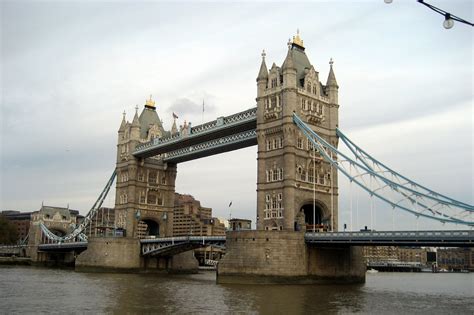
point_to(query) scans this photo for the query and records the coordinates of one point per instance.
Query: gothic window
(269, 145)
(123, 199)
(274, 82)
(275, 175)
(299, 143)
(163, 180)
(142, 197)
(303, 103)
(303, 175)
(274, 203)
(140, 176)
(152, 177)
(308, 87)
(299, 171)
(273, 101)
(275, 143)
(280, 174)
(160, 198)
(124, 177)
(311, 175)
(314, 89)
(279, 143)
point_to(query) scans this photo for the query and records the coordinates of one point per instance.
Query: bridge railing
(430, 234)
(217, 124)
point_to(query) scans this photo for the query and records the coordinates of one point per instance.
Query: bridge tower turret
(292, 179)
(145, 188)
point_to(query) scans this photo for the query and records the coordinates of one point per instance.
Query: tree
(8, 232)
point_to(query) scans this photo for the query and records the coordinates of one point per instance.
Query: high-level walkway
(223, 134)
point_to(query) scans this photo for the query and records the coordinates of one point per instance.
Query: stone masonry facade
(145, 188)
(289, 170)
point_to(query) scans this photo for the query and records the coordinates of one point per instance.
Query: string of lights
(448, 17)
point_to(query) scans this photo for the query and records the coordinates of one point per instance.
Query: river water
(41, 290)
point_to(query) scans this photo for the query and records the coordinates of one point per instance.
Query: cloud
(185, 107)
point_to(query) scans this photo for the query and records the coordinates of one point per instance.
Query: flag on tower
(175, 116)
(203, 106)
(230, 204)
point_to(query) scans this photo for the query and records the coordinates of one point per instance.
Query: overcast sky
(69, 70)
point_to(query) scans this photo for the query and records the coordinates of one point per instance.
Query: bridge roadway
(221, 135)
(165, 246)
(455, 238)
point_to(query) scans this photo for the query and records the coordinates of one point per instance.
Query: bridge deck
(221, 128)
(458, 238)
(62, 246)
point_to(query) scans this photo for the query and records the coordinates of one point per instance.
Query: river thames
(41, 290)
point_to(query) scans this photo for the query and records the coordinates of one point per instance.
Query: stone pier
(122, 254)
(284, 257)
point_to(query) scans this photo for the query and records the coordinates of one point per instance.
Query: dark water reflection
(35, 290)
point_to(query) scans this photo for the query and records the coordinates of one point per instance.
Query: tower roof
(331, 77)
(298, 57)
(135, 122)
(149, 117)
(124, 123)
(288, 63)
(263, 73)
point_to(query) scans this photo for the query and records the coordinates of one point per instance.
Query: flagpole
(202, 116)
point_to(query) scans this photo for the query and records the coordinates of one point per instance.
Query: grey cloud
(185, 106)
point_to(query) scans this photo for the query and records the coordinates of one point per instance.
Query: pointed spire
(289, 63)
(122, 125)
(174, 128)
(136, 122)
(263, 73)
(331, 77)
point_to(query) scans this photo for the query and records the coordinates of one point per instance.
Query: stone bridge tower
(292, 180)
(145, 188)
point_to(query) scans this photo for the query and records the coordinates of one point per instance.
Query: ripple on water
(40, 290)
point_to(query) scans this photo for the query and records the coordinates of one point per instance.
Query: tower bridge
(295, 126)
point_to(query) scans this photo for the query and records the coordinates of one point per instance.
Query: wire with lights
(448, 17)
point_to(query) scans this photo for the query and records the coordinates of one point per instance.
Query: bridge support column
(284, 257)
(110, 254)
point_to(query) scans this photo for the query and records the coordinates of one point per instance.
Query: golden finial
(263, 54)
(150, 102)
(331, 62)
(297, 39)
